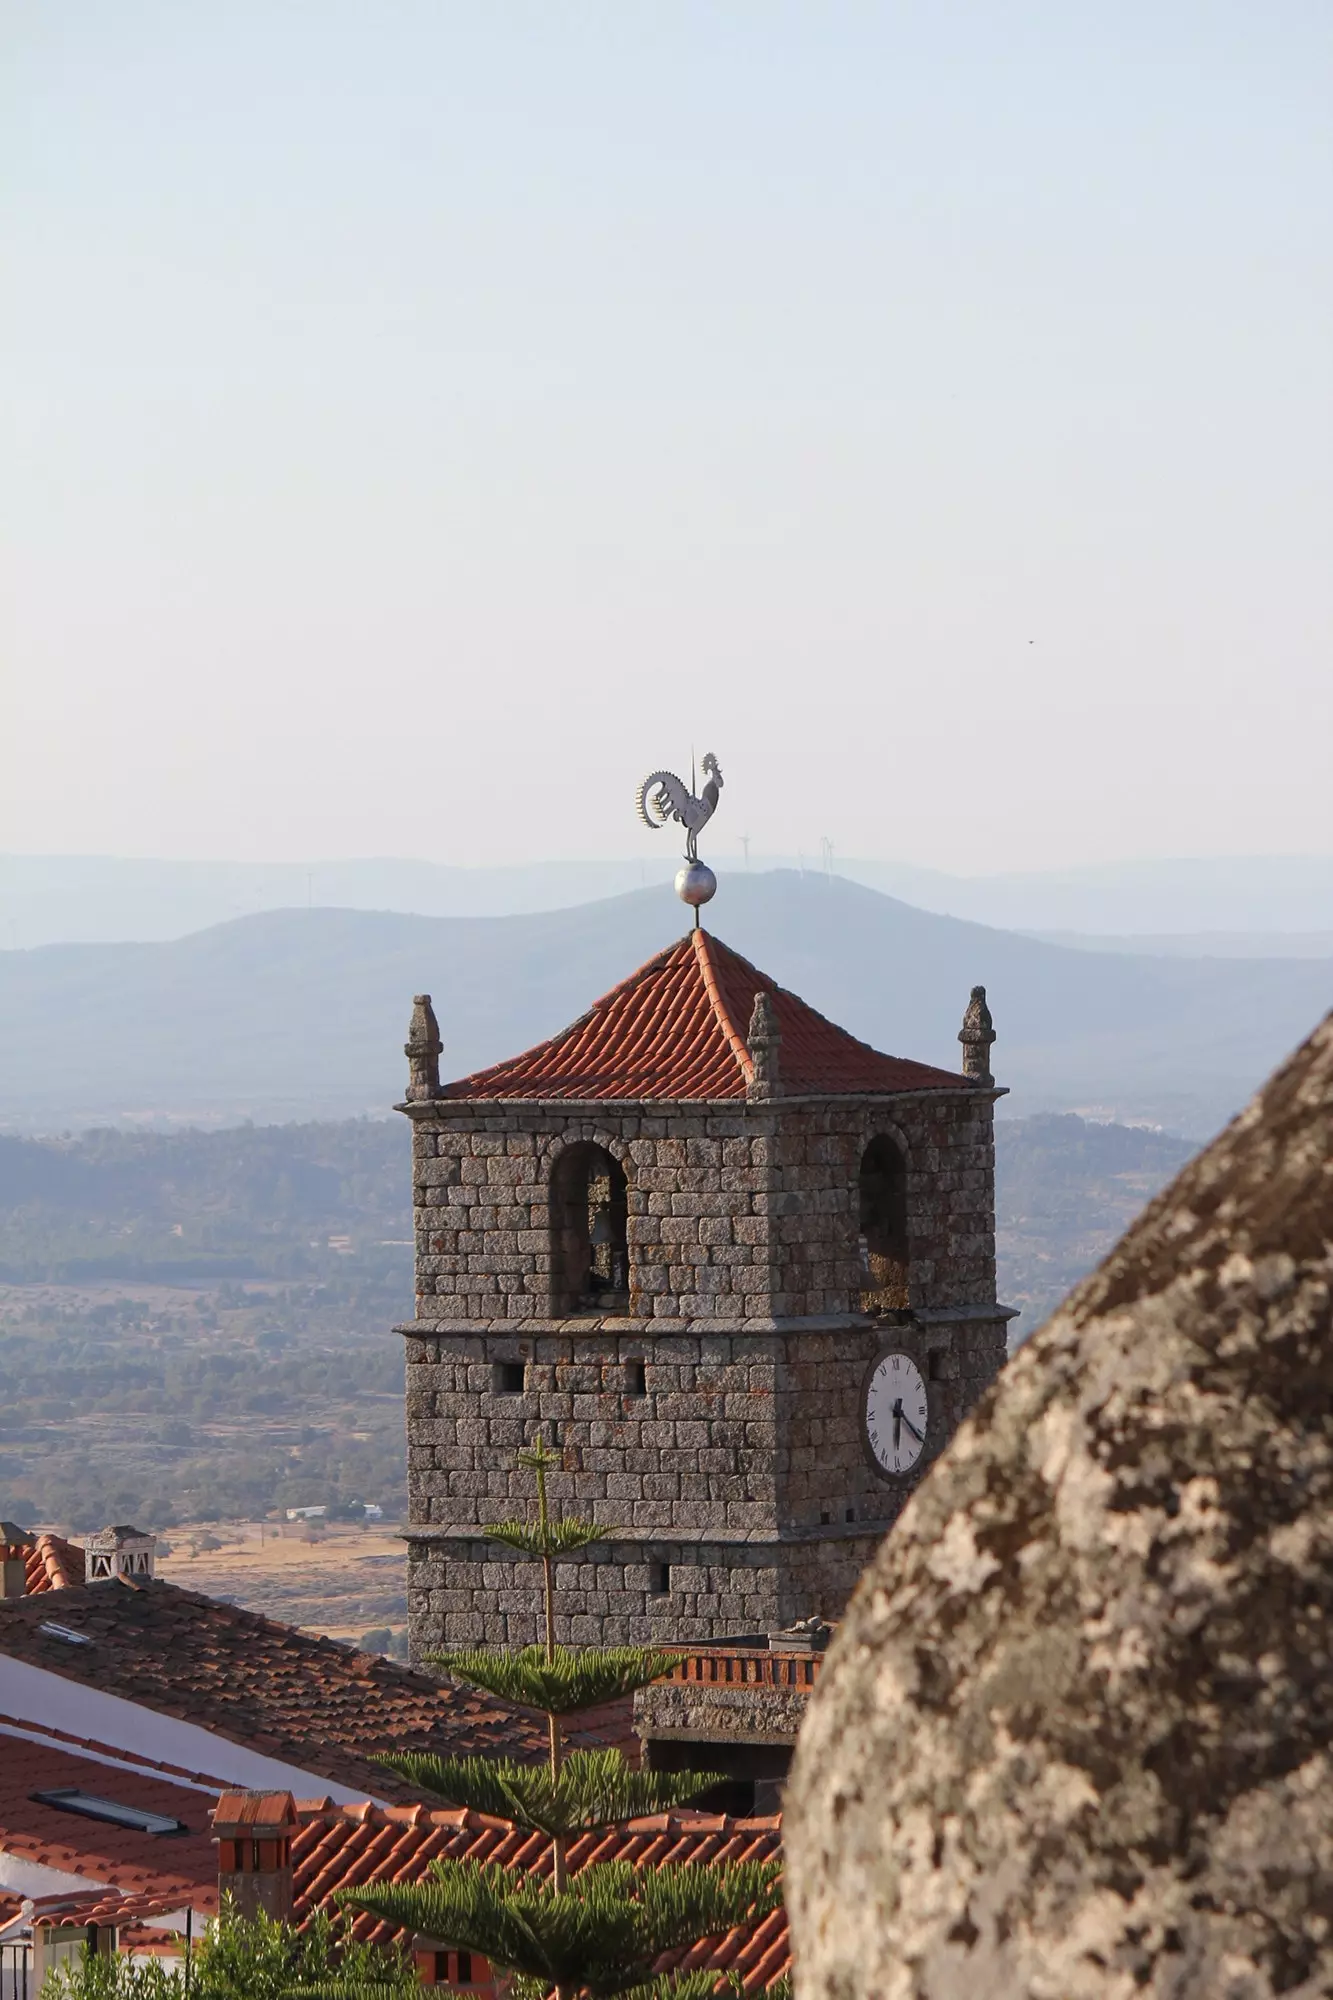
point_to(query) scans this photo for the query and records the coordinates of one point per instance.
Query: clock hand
(912, 1427)
(897, 1421)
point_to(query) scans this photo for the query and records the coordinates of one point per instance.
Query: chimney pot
(254, 1831)
(120, 1552)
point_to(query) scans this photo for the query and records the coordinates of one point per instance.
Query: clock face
(897, 1413)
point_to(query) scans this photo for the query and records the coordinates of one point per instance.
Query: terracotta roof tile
(676, 1030)
(180, 1867)
(353, 1847)
(309, 1701)
(107, 1906)
(255, 1811)
(49, 1562)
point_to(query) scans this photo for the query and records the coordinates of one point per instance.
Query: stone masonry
(714, 1421)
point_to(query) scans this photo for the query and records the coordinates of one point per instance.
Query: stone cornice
(665, 1537)
(664, 1328)
(719, 1107)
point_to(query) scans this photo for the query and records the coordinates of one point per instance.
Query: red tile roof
(180, 1867)
(48, 1562)
(135, 1875)
(293, 1695)
(107, 1906)
(355, 1846)
(676, 1029)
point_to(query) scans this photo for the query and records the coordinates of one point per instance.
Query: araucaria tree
(599, 1932)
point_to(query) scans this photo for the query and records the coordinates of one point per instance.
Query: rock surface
(1075, 1735)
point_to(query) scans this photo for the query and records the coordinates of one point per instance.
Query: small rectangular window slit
(507, 1378)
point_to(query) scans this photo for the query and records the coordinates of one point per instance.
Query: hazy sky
(425, 418)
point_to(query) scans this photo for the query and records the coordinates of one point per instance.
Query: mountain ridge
(47, 899)
(302, 1013)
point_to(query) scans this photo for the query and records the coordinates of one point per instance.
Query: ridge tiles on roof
(49, 1563)
(676, 1029)
(355, 1846)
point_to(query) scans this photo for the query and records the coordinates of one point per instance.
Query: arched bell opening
(883, 1225)
(589, 1232)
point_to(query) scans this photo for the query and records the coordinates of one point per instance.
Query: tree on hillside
(599, 1932)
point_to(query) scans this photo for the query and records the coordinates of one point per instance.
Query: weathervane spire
(663, 796)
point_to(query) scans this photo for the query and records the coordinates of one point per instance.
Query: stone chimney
(976, 1035)
(254, 1831)
(764, 1042)
(120, 1552)
(422, 1049)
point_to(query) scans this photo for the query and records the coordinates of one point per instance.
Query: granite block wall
(716, 1428)
(735, 1212)
(736, 1489)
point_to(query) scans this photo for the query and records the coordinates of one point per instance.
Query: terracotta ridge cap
(703, 955)
(51, 1550)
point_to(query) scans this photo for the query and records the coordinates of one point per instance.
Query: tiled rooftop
(137, 1875)
(180, 1867)
(49, 1563)
(676, 1030)
(307, 1700)
(354, 1846)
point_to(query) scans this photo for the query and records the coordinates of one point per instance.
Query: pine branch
(594, 1788)
(344, 1989)
(603, 1933)
(553, 1538)
(536, 1456)
(680, 1905)
(575, 1679)
(701, 1984)
(705, 1983)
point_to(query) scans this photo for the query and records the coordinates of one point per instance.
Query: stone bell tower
(681, 1237)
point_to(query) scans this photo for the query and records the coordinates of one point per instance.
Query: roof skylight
(71, 1800)
(65, 1632)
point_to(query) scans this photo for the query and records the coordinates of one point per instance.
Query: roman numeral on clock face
(896, 1415)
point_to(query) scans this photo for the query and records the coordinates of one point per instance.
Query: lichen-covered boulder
(1075, 1735)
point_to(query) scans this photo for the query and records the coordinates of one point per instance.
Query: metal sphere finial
(696, 883)
(662, 797)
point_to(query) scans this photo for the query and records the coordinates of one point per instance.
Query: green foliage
(545, 1537)
(701, 1985)
(109, 1976)
(602, 1934)
(571, 1680)
(247, 1958)
(258, 1958)
(555, 1538)
(594, 1788)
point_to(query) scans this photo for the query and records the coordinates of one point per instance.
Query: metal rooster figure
(663, 797)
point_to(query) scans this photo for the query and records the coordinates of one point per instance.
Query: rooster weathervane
(663, 797)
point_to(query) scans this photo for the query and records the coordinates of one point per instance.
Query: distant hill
(195, 1325)
(302, 1013)
(70, 898)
